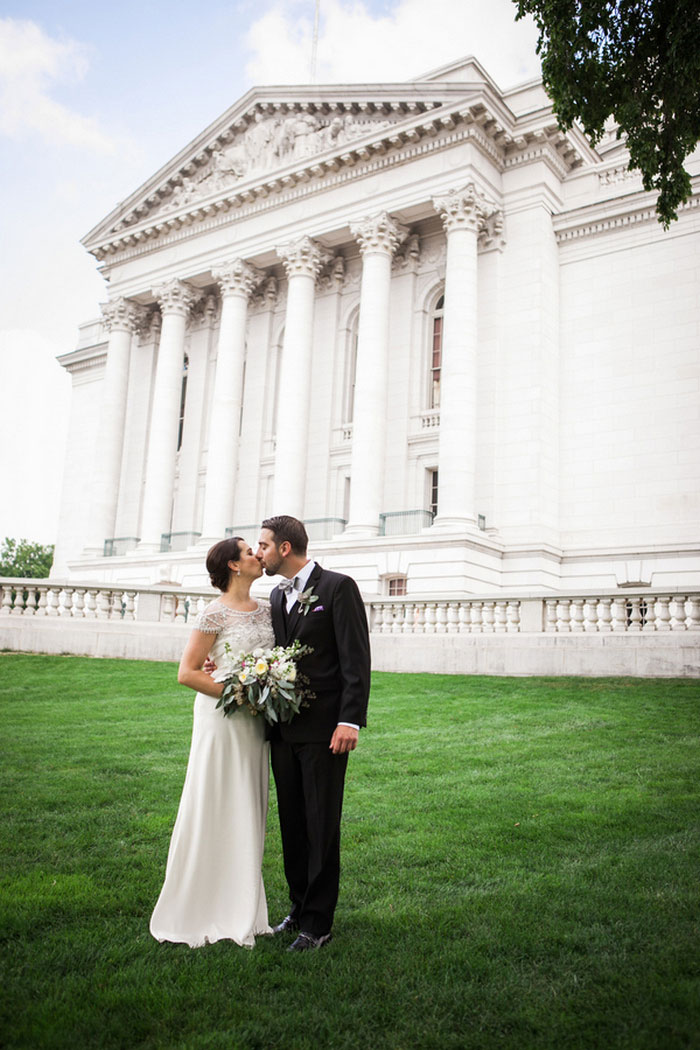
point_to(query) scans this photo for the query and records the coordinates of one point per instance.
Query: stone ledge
(658, 655)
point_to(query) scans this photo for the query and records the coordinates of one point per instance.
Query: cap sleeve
(210, 620)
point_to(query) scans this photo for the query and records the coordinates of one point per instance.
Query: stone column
(378, 238)
(121, 318)
(175, 298)
(464, 214)
(303, 259)
(236, 280)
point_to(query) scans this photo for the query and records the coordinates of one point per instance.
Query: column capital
(379, 233)
(303, 256)
(237, 277)
(468, 209)
(175, 297)
(121, 314)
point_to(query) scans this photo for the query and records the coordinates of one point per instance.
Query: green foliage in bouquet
(266, 682)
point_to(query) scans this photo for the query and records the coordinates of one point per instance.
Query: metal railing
(177, 541)
(404, 522)
(120, 545)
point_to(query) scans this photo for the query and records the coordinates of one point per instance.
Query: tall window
(183, 399)
(433, 492)
(274, 362)
(436, 353)
(350, 373)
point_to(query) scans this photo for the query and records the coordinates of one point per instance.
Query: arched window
(183, 399)
(436, 329)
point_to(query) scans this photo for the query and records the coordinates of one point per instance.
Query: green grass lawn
(520, 869)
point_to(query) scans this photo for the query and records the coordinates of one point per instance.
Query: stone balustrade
(626, 613)
(90, 601)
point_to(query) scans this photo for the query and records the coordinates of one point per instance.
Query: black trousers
(309, 779)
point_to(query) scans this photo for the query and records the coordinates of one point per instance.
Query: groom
(323, 610)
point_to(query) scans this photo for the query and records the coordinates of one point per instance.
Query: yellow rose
(243, 677)
(260, 667)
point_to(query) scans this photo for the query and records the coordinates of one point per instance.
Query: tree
(22, 558)
(637, 61)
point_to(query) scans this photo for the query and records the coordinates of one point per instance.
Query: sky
(95, 97)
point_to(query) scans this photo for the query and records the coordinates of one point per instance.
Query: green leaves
(21, 558)
(637, 61)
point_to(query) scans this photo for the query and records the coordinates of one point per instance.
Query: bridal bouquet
(265, 681)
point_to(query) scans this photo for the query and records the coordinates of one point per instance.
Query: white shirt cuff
(350, 724)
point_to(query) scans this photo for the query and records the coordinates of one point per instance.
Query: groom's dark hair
(284, 527)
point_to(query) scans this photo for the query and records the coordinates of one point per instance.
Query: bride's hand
(209, 666)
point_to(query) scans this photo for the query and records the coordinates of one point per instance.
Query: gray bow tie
(288, 585)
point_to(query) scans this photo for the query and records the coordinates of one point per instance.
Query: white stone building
(452, 338)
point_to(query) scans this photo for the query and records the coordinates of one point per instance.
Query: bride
(213, 887)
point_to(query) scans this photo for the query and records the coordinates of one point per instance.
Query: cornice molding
(614, 214)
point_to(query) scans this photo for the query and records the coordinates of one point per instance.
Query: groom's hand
(209, 666)
(343, 740)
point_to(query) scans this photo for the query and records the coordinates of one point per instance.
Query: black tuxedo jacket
(335, 627)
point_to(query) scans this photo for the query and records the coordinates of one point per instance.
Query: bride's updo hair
(218, 558)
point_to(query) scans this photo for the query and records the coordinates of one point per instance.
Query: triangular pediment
(276, 137)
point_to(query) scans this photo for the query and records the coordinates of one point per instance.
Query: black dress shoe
(288, 925)
(306, 941)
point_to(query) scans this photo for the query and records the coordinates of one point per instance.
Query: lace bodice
(240, 630)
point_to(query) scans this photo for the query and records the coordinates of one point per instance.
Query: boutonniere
(306, 600)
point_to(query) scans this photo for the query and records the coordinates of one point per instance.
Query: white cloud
(31, 64)
(412, 38)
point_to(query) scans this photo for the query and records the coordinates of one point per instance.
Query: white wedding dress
(213, 887)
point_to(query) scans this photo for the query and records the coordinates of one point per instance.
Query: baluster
(6, 607)
(30, 604)
(693, 606)
(441, 618)
(663, 613)
(452, 618)
(487, 617)
(678, 612)
(52, 596)
(41, 605)
(619, 615)
(372, 618)
(79, 603)
(576, 615)
(564, 616)
(475, 611)
(464, 613)
(634, 615)
(419, 618)
(130, 610)
(167, 608)
(513, 617)
(409, 616)
(550, 609)
(66, 607)
(91, 606)
(590, 615)
(117, 608)
(399, 613)
(429, 618)
(18, 608)
(604, 615)
(646, 608)
(103, 604)
(180, 616)
(499, 619)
